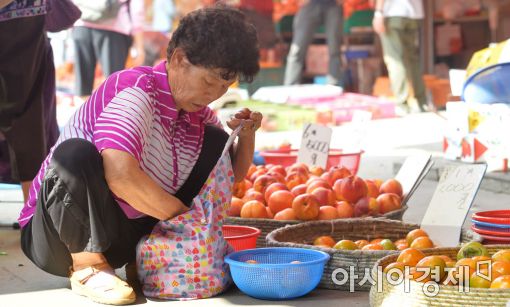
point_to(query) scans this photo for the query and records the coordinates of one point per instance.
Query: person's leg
(392, 46)
(411, 56)
(78, 224)
(24, 63)
(77, 213)
(49, 117)
(333, 25)
(85, 61)
(50, 99)
(305, 22)
(25, 188)
(112, 49)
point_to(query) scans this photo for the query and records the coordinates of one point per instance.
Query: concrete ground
(386, 145)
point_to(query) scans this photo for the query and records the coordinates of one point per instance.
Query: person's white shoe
(101, 285)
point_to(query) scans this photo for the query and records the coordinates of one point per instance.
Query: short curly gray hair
(218, 37)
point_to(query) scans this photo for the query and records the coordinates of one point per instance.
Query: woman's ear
(179, 57)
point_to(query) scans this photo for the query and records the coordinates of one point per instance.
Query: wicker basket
(390, 295)
(303, 234)
(268, 225)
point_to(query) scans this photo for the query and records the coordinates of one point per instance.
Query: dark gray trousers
(76, 211)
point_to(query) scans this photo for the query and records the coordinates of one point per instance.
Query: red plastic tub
(336, 158)
(241, 237)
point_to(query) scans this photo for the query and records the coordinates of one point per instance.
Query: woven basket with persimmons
(359, 261)
(386, 293)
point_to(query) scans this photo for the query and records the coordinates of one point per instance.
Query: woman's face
(194, 87)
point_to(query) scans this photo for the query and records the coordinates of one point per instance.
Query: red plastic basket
(336, 158)
(241, 237)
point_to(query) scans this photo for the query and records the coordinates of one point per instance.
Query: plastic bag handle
(231, 139)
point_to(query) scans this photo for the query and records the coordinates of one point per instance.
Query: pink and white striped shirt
(133, 111)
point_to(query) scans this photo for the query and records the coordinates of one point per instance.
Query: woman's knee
(76, 154)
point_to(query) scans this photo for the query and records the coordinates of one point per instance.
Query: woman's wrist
(248, 135)
(180, 209)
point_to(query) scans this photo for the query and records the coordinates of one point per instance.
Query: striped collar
(164, 95)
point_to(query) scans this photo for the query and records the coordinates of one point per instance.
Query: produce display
(473, 267)
(416, 238)
(299, 192)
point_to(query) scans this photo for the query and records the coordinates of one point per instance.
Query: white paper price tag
(314, 149)
(451, 201)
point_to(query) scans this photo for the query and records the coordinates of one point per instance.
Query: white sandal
(101, 285)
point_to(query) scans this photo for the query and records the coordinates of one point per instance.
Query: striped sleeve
(210, 118)
(125, 123)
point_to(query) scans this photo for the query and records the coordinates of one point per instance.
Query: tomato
(324, 240)
(345, 244)
(502, 267)
(482, 262)
(410, 256)
(446, 258)
(395, 268)
(361, 243)
(502, 255)
(502, 282)
(387, 244)
(478, 280)
(243, 114)
(422, 243)
(468, 264)
(373, 247)
(416, 233)
(434, 266)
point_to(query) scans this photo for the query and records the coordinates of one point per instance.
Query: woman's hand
(244, 149)
(250, 121)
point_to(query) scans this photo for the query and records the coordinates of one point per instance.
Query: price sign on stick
(451, 201)
(314, 149)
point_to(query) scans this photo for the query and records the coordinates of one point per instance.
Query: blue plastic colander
(274, 276)
(488, 85)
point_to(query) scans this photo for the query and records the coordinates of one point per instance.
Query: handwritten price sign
(314, 149)
(451, 202)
